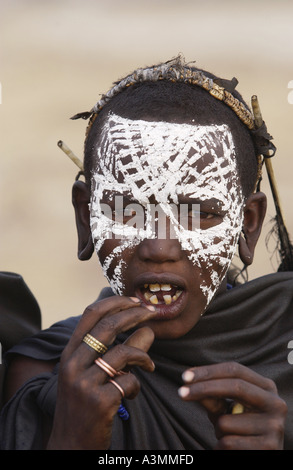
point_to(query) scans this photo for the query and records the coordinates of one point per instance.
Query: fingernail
(188, 376)
(151, 308)
(135, 299)
(183, 392)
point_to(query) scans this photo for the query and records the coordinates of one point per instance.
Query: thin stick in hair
(70, 154)
(286, 249)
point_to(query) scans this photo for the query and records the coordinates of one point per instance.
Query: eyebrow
(127, 197)
(212, 202)
(209, 204)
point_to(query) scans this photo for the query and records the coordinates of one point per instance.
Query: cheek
(211, 252)
(113, 260)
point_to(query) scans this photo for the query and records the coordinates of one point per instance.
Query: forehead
(162, 156)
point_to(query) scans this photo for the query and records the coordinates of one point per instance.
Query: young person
(194, 362)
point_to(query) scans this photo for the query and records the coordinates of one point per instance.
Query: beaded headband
(176, 70)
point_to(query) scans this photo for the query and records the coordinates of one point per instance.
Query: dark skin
(84, 387)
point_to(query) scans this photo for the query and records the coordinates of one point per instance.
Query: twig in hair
(268, 163)
(286, 249)
(70, 154)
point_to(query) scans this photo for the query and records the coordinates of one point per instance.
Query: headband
(176, 70)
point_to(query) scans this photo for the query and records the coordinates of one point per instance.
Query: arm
(259, 427)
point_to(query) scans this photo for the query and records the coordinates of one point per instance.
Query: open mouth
(165, 292)
(158, 294)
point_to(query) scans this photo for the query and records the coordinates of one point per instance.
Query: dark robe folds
(251, 324)
(20, 315)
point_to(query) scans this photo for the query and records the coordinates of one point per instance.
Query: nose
(159, 250)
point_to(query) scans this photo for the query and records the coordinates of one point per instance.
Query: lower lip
(164, 311)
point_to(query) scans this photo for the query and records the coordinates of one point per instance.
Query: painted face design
(139, 159)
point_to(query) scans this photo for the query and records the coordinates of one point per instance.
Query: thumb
(142, 338)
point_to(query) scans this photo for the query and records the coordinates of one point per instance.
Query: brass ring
(95, 344)
(237, 409)
(118, 387)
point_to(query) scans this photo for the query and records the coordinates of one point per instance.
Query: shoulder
(20, 370)
(46, 345)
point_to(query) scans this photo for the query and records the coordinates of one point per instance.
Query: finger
(93, 313)
(119, 358)
(235, 442)
(243, 392)
(228, 370)
(128, 383)
(247, 424)
(142, 338)
(106, 330)
(214, 406)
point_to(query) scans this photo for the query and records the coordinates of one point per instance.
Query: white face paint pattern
(162, 159)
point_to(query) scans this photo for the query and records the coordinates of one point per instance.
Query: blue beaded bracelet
(123, 413)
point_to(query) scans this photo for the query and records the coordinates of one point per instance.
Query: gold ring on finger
(237, 409)
(95, 344)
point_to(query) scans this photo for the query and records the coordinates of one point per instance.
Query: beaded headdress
(176, 70)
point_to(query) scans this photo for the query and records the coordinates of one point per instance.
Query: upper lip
(159, 278)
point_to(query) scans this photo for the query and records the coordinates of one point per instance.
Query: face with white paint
(171, 165)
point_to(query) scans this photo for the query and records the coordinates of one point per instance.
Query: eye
(119, 209)
(128, 213)
(203, 219)
(133, 215)
(202, 215)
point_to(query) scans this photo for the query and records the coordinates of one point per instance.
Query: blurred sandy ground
(58, 56)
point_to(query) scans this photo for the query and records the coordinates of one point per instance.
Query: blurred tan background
(58, 56)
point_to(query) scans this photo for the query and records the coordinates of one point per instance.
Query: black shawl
(251, 324)
(20, 315)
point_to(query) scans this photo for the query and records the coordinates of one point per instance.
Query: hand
(259, 427)
(86, 401)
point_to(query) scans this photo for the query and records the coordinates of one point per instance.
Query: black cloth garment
(20, 314)
(251, 324)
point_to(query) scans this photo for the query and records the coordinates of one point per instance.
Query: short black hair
(165, 100)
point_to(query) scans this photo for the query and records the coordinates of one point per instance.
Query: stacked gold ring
(95, 344)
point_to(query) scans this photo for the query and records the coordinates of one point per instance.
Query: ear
(80, 201)
(254, 214)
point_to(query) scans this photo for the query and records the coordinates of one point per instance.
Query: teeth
(167, 299)
(157, 287)
(177, 295)
(154, 287)
(151, 297)
(166, 287)
(148, 295)
(154, 299)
